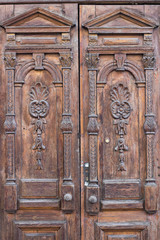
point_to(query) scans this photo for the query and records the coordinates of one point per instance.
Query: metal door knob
(92, 199)
(67, 197)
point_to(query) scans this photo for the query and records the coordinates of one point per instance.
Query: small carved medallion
(120, 110)
(38, 109)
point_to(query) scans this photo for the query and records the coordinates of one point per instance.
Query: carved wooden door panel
(41, 187)
(118, 122)
(59, 181)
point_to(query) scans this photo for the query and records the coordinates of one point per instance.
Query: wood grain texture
(117, 203)
(35, 99)
(118, 66)
(82, 1)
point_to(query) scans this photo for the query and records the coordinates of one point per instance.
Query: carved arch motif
(39, 106)
(28, 66)
(128, 65)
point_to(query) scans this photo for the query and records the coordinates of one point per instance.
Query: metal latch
(86, 174)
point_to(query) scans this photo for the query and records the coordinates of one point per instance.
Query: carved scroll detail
(38, 109)
(120, 110)
(148, 61)
(66, 59)
(10, 60)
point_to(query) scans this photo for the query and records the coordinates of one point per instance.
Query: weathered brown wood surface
(82, 1)
(40, 161)
(79, 120)
(122, 151)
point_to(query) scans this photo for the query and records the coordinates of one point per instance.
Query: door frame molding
(109, 2)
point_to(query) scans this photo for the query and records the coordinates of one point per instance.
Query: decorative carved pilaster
(92, 125)
(92, 190)
(150, 129)
(66, 127)
(10, 190)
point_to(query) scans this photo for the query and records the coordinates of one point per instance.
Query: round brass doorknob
(67, 197)
(92, 199)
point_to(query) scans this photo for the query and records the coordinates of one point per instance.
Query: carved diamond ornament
(38, 109)
(120, 110)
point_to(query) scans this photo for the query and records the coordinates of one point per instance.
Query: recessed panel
(39, 126)
(119, 129)
(122, 237)
(40, 230)
(39, 188)
(40, 236)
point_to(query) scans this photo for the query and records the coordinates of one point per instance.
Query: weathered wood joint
(92, 190)
(10, 188)
(67, 189)
(150, 130)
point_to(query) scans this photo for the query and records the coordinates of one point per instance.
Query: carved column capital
(10, 60)
(92, 60)
(148, 60)
(66, 59)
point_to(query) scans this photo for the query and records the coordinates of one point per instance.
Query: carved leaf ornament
(120, 110)
(39, 108)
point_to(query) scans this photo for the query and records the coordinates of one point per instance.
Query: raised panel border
(116, 189)
(39, 188)
(58, 226)
(82, 1)
(102, 227)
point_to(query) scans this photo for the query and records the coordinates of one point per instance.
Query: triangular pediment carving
(120, 18)
(38, 17)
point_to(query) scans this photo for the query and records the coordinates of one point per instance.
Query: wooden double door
(79, 122)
